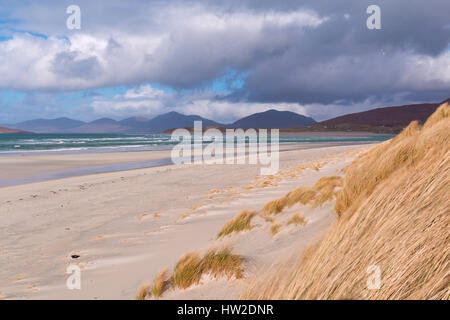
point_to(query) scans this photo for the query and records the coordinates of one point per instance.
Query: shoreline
(19, 169)
(58, 149)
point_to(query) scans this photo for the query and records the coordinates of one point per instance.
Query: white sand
(108, 220)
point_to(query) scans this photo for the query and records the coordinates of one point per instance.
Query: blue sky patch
(10, 96)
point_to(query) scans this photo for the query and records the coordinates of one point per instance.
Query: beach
(123, 227)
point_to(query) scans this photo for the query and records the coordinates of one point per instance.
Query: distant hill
(103, 125)
(177, 120)
(137, 124)
(273, 119)
(7, 130)
(48, 125)
(104, 121)
(387, 116)
(389, 120)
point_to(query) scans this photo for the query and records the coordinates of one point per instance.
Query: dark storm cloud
(340, 60)
(70, 64)
(312, 51)
(343, 60)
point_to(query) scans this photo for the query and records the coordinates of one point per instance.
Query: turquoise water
(20, 143)
(78, 142)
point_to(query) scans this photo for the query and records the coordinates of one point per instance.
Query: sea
(33, 143)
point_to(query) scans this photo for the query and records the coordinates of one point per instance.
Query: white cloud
(183, 47)
(147, 101)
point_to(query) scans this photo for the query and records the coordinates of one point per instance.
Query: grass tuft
(275, 228)
(443, 112)
(143, 292)
(325, 189)
(301, 194)
(242, 221)
(160, 284)
(188, 270)
(322, 191)
(275, 206)
(297, 219)
(219, 262)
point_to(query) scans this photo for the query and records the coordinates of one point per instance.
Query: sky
(219, 59)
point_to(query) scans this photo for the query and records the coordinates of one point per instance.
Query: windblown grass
(297, 219)
(222, 262)
(160, 284)
(301, 194)
(325, 189)
(242, 221)
(394, 206)
(406, 149)
(275, 228)
(190, 268)
(143, 292)
(216, 262)
(274, 206)
(322, 191)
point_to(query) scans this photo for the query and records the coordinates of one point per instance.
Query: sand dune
(393, 217)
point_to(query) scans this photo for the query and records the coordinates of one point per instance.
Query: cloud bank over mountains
(313, 57)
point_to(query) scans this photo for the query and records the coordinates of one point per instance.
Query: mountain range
(382, 120)
(160, 123)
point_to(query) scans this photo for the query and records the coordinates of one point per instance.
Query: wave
(10, 143)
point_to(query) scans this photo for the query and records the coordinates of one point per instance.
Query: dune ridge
(393, 211)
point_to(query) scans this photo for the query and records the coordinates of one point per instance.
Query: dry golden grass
(301, 194)
(275, 228)
(219, 262)
(216, 262)
(143, 292)
(242, 221)
(325, 189)
(190, 268)
(370, 169)
(322, 191)
(297, 219)
(160, 284)
(442, 112)
(274, 206)
(394, 207)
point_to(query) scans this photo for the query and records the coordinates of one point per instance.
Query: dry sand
(127, 225)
